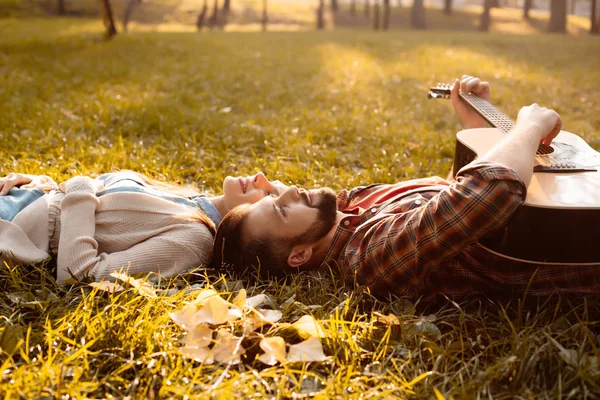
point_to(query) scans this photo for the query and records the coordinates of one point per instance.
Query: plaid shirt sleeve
(395, 250)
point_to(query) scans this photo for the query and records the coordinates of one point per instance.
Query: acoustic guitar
(560, 218)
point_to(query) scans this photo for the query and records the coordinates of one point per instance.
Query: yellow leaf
(199, 336)
(308, 350)
(307, 327)
(271, 316)
(228, 347)
(214, 309)
(274, 348)
(186, 317)
(143, 288)
(202, 354)
(107, 286)
(240, 300)
(257, 300)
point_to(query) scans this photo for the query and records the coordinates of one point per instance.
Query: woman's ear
(299, 255)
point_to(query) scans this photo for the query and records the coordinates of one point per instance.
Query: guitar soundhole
(545, 149)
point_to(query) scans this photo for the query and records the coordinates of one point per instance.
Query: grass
(339, 108)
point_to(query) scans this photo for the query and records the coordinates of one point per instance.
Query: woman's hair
(185, 191)
(267, 256)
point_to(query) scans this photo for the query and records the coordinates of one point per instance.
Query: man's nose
(291, 194)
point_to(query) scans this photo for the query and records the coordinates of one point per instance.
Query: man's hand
(81, 183)
(547, 123)
(41, 182)
(469, 117)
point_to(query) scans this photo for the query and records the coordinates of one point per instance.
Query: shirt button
(418, 202)
(346, 223)
(373, 209)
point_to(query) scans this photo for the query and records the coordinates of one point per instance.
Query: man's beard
(326, 204)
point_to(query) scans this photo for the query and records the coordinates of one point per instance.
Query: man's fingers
(471, 85)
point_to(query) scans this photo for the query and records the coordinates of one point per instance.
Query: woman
(120, 220)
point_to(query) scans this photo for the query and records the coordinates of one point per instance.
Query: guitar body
(560, 219)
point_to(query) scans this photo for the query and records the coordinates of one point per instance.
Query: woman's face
(249, 189)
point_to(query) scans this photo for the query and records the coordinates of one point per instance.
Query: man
(417, 238)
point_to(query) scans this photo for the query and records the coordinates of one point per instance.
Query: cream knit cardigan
(135, 232)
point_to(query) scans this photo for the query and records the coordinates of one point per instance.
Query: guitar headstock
(440, 91)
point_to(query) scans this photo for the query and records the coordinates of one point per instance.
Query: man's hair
(268, 256)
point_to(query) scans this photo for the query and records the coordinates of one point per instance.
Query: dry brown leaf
(201, 354)
(228, 347)
(144, 288)
(198, 336)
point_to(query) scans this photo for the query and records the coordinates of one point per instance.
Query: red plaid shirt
(419, 238)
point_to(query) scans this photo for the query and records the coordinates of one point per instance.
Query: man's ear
(300, 255)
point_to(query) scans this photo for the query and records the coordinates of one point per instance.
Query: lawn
(336, 108)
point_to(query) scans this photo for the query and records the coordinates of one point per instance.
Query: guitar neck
(490, 113)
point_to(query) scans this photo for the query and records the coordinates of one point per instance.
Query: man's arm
(535, 124)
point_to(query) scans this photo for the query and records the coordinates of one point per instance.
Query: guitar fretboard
(490, 113)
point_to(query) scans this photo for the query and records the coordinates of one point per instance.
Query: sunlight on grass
(337, 108)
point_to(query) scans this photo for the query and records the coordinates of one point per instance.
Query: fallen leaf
(308, 350)
(307, 326)
(257, 300)
(274, 348)
(271, 316)
(107, 286)
(10, 335)
(228, 347)
(240, 300)
(202, 354)
(215, 309)
(198, 336)
(144, 288)
(186, 317)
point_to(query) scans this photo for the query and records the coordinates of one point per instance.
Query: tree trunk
(595, 28)
(386, 14)
(558, 16)
(376, 15)
(573, 6)
(448, 7)
(367, 8)
(265, 16)
(320, 17)
(353, 7)
(527, 6)
(485, 16)
(109, 21)
(131, 4)
(334, 5)
(213, 20)
(494, 3)
(417, 15)
(202, 16)
(226, 7)
(60, 7)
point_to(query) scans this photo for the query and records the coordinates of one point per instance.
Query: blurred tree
(417, 15)
(60, 7)
(573, 6)
(353, 7)
(131, 4)
(595, 27)
(376, 15)
(213, 20)
(485, 16)
(107, 17)
(226, 6)
(494, 3)
(265, 16)
(527, 6)
(386, 14)
(202, 16)
(367, 8)
(447, 7)
(334, 5)
(558, 16)
(320, 17)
